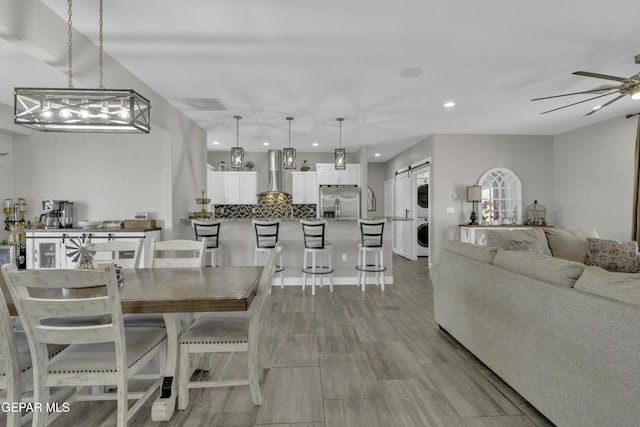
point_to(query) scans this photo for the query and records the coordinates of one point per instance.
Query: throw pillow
(569, 244)
(613, 255)
(499, 238)
(526, 245)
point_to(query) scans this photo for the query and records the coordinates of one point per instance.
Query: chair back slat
(266, 233)
(209, 230)
(125, 254)
(192, 251)
(85, 334)
(47, 307)
(371, 232)
(313, 232)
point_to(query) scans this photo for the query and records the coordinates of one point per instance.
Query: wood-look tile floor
(351, 359)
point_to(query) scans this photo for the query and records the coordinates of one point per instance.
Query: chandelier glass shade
(237, 153)
(340, 153)
(289, 154)
(82, 110)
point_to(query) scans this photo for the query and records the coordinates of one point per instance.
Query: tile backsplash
(269, 206)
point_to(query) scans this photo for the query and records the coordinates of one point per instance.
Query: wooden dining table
(173, 291)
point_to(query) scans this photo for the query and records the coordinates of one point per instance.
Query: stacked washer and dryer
(422, 213)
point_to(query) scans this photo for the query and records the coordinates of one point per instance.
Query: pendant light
(237, 153)
(341, 154)
(82, 110)
(289, 154)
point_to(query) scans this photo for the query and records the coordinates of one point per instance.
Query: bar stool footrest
(317, 270)
(370, 268)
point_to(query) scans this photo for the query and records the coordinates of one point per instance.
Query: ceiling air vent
(205, 104)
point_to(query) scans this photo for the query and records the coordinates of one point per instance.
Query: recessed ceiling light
(377, 154)
(215, 143)
(315, 144)
(411, 72)
(265, 143)
(597, 107)
(449, 104)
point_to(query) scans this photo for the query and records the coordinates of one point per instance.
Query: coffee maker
(51, 216)
(57, 213)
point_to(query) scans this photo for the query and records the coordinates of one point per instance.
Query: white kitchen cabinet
(48, 249)
(233, 188)
(304, 188)
(327, 174)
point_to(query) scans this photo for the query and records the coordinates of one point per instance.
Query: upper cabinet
(327, 174)
(304, 188)
(233, 188)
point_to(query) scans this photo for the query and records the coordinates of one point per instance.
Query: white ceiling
(317, 60)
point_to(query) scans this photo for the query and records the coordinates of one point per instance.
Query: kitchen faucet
(288, 212)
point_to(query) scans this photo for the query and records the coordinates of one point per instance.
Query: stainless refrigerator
(339, 201)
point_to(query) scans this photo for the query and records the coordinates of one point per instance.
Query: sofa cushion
(569, 244)
(613, 255)
(623, 287)
(557, 271)
(479, 253)
(526, 245)
(500, 238)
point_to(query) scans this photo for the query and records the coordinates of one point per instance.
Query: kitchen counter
(389, 218)
(91, 230)
(238, 239)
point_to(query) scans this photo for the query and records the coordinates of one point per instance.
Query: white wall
(6, 175)
(594, 178)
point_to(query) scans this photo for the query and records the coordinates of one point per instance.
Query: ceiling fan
(627, 86)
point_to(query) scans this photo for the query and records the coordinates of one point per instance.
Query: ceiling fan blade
(602, 89)
(579, 102)
(604, 105)
(599, 76)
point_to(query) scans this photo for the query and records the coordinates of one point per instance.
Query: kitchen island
(237, 236)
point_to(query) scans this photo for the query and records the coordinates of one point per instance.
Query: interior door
(403, 245)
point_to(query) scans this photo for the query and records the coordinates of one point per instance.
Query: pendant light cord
(100, 74)
(70, 45)
(340, 120)
(237, 130)
(289, 119)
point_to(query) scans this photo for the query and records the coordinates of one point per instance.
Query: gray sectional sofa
(564, 335)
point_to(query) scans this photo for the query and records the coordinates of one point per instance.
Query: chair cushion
(217, 330)
(144, 321)
(624, 287)
(79, 358)
(500, 238)
(556, 271)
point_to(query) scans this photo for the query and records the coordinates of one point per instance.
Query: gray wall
(594, 178)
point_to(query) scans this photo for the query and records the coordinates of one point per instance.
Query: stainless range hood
(275, 173)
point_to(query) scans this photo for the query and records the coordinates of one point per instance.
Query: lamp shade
(474, 193)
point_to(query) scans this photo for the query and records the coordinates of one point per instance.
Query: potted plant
(249, 165)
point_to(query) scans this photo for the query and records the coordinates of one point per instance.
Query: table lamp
(474, 195)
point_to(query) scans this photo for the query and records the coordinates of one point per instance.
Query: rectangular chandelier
(82, 110)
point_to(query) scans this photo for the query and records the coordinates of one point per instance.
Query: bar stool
(371, 243)
(319, 249)
(210, 230)
(266, 239)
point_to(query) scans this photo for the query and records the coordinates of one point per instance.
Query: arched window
(501, 197)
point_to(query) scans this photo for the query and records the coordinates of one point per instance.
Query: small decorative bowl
(205, 201)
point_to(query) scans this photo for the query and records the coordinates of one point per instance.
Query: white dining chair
(125, 254)
(177, 253)
(216, 334)
(15, 363)
(99, 354)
